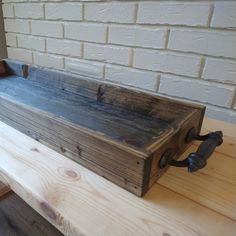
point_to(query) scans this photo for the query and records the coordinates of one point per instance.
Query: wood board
(118, 133)
(79, 202)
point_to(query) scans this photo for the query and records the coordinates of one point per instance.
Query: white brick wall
(173, 13)
(214, 43)
(110, 12)
(63, 11)
(33, 11)
(224, 15)
(186, 49)
(221, 70)
(137, 36)
(107, 53)
(85, 68)
(48, 60)
(135, 78)
(11, 39)
(8, 10)
(86, 32)
(64, 47)
(49, 29)
(167, 62)
(15, 25)
(20, 54)
(212, 93)
(31, 42)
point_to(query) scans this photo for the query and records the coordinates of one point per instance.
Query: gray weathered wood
(118, 133)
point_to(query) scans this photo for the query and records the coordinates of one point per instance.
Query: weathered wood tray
(126, 136)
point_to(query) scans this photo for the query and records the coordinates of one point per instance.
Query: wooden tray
(119, 133)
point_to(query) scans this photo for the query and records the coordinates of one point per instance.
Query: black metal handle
(196, 160)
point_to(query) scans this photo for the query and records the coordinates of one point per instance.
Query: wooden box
(118, 133)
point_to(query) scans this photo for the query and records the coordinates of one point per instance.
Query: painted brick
(198, 90)
(132, 77)
(224, 14)
(18, 26)
(48, 60)
(107, 53)
(216, 43)
(20, 54)
(137, 36)
(11, 39)
(221, 70)
(64, 47)
(50, 29)
(7, 10)
(221, 114)
(182, 13)
(63, 11)
(33, 11)
(110, 12)
(87, 32)
(31, 42)
(167, 62)
(85, 68)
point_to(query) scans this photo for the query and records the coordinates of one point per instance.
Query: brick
(20, 54)
(87, 32)
(33, 11)
(216, 43)
(137, 36)
(64, 11)
(11, 39)
(167, 62)
(50, 29)
(48, 60)
(221, 70)
(132, 77)
(224, 14)
(8, 10)
(18, 26)
(31, 42)
(220, 113)
(85, 68)
(64, 47)
(182, 13)
(110, 12)
(198, 90)
(107, 53)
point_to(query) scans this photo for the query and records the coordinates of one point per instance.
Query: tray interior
(120, 124)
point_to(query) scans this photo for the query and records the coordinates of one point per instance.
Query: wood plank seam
(197, 202)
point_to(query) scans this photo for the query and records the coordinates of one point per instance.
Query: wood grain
(119, 134)
(17, 218)
(78, 202)
(4, 189)
(215, 185)
(229, 130)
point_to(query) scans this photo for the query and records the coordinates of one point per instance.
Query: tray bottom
(116, 122)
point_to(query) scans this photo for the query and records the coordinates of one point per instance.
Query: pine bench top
(79, 202)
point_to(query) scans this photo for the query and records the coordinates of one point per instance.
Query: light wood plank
(229, 131)
(215, 185)
(78, 202)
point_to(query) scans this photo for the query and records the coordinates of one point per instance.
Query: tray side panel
(136, 101)
(176, 142)
(116, 164)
